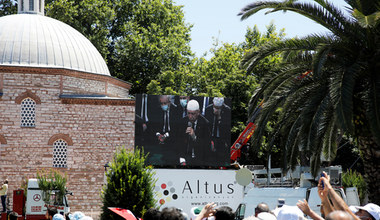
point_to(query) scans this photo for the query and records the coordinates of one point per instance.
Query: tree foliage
(7, 7)
(220, 75)
(352, 178)
(327, 86)
(50, 181)
(138, 39)
(130, 184)
(155, 39)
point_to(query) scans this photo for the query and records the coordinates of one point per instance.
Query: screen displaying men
(183, 130)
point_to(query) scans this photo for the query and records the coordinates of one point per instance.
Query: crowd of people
(52, 214)
(208, 212)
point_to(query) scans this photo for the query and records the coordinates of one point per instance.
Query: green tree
(354, 179)
(328, 85)
(92, 18)
(130, 184)
(138, 39)
(52, 181)
(152, 40)
(7, 7)
(221, 75)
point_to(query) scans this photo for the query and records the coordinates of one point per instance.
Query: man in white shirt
(3, 194)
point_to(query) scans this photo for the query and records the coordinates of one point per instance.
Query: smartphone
(322, 183)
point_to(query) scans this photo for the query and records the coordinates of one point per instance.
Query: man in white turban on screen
(195, 135)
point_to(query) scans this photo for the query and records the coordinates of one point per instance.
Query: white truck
(35, 207)
(271, 191)
(189, 188)
(290, 196)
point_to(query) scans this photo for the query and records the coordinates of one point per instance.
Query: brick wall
(95, 130)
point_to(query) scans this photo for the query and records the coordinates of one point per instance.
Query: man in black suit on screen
(195, 135)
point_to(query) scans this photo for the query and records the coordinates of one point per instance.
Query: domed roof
(32, 40)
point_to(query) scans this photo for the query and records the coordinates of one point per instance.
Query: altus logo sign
(166, 192)
(206, 188)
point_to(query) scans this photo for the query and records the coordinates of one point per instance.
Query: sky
(217, 19)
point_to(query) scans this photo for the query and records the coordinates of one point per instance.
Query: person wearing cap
(58, 217)
(3, 194)
(77, 215)
(163, 128)
(370, 211)
(219, 116)
(289, 213)
(195, 134)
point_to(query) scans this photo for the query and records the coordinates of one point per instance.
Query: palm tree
(327, 86)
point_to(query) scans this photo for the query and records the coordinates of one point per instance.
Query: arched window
(60, 142)
(28, 113)
(60, 153)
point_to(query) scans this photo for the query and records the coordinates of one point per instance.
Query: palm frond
(373, 107)
(286, 71)
(255, 7)
(342, 92)
(319, 115)
(327, 15)
(296, 44)
(290, 145)
(330, 140)
(325, 123)
(367, 21)
(320, 58)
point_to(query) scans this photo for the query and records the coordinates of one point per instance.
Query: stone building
(59, 106)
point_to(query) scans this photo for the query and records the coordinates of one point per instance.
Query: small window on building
(28, 113)
(31, 5)
(22, 5)
(60, 153)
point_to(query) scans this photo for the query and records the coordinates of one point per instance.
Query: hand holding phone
(322, 183)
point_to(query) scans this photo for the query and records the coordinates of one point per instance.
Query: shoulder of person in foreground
(339, 215)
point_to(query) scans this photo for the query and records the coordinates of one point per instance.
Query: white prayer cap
(218, 101)
(192, 105)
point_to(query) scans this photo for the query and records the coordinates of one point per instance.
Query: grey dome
(31, 40)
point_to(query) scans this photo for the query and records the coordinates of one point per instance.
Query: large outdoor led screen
(182, 130)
